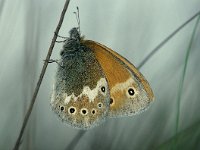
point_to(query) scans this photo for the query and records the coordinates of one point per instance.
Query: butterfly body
(93, 83)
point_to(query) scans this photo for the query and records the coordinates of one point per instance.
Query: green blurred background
(131, 28)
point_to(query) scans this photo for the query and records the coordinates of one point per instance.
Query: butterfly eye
(99, 105)
(103, 89)
(72, 110)
(131, 91)
(84, 111)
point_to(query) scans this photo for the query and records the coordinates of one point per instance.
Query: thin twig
(18, 142)
(166, 40)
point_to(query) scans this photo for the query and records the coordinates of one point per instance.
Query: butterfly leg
(65, 38)
(61, 41)
(52, 61)
(56, 61)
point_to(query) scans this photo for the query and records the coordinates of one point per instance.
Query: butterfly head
(75, 34)
(72, 43)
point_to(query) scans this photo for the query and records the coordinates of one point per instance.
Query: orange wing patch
(119, 73)
(131, 66)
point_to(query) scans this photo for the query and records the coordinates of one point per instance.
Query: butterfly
(93, 83)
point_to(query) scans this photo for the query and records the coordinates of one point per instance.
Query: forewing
(130, 92)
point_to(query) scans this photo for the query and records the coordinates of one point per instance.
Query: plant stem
(166, 40)
(180, 90)
(26, 118)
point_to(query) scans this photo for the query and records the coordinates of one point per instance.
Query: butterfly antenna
(78, 19)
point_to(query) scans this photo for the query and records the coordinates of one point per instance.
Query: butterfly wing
(130, 92)
(81, 95)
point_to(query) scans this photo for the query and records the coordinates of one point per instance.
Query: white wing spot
(124, 86)
(87, 91)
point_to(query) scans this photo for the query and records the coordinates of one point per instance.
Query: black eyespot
(84, 111)
(111, 101)
(131, 92)
(72, 110)
(103, 89)
(99, 105)
(93, 111)
(62, 108)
